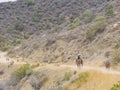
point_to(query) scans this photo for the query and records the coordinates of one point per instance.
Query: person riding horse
(107, 62)
(79, 61)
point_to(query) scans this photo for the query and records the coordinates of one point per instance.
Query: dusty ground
(100, 78)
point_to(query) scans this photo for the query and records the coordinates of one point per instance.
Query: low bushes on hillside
(74, 24)
(57, 27)
(18, 75)
(3, 44)
(19, 26)
(29, 2)
(87, 17)
(116, 56)
(96, 28)
(109, 11)
(16, 42)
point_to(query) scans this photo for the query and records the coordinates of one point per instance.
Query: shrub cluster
(96, 28)
(23, 71)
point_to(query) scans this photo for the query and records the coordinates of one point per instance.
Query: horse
(107, 64)
(79, 62)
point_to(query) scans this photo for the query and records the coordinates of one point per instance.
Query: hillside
(40, 40)
(21, 19)
(58, 30)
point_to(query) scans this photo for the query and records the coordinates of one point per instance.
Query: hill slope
(58, 30)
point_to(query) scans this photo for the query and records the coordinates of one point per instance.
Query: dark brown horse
(107, 64)
(79, 61)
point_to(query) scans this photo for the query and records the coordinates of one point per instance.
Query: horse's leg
(82, 63)
(109, 66)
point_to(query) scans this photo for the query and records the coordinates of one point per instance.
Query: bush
(109, 11)
(100, 18)
(116, 86)
(74, 23)
(57, 27)
(16, 42)
(67, 76)
(29, 2)
(83, 77)
(98, 27)
(116, 56)
(87, 17)
(23, 71)
(19, 26)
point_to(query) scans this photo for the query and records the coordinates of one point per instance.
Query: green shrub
(100, 18)
(57, 27)
(116, 56)
(29, 2)
(109, 11)
(67, 76)
(116, 86)
(23, 71)
(74, 72)
(19, 26)
(82, 78)
(98, 27)
(4, 46)
(87, 17)
(74, 24)
(16, 42)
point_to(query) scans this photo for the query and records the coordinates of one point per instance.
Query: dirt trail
(4, 60)
(100, 69)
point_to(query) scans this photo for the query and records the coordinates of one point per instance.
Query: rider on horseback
(79, 61)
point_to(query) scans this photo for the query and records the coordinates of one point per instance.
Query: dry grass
(100, 81)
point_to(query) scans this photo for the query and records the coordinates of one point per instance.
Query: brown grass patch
(100, 81)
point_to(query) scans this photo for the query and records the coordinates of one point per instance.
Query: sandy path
(4, 60)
